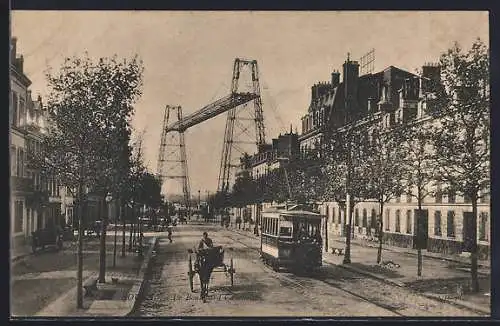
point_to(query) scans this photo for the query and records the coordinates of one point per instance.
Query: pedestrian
(170, 230)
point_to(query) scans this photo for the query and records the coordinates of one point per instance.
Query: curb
(138, 287)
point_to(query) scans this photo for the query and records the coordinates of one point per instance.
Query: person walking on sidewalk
(170, 230)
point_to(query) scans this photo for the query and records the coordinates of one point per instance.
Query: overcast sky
(188, 59)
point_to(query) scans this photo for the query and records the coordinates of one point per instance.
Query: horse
(206, 261)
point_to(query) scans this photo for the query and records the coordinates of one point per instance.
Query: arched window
(365, 218)
(356, 217)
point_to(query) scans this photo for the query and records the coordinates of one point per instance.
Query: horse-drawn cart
(208, 261)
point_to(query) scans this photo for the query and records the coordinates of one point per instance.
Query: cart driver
(205, 242)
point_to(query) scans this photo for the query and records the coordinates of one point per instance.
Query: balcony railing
(21, 184)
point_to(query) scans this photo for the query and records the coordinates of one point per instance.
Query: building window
(356, 217)
(333, 214)
(365, 218)
(467, 199)
(387, 219)
(374, 219)
(13, 161)
(18, 216)
(485, 198)
(450, 224)
(14, 109)
(408, 198)
(20, 162)
(398, 221)
(437, 223)
(22, 112)
(483, 222)
(398, 199)
(451, 196)
(408, 221)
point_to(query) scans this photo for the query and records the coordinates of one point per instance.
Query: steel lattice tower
(172, 162)
(243, 119)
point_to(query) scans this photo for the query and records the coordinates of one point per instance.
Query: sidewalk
(413, 252)
(111, 299)
(442, 279)
(44, 283)
(19, 252)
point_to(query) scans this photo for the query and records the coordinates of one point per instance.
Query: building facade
(35, 200)
(379, 101)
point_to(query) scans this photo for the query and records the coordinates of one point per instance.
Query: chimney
(20, 63)
(335, 78)
(13, 49)
(350, 79)
(431, 74)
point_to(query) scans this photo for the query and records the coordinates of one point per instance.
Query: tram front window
(285, 231)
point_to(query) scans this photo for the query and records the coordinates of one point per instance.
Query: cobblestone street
(259, 291)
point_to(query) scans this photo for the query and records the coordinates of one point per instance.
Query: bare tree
(386, 172)
(345, 174)
(419, 171)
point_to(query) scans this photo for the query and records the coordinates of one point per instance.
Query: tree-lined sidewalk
(39, 279)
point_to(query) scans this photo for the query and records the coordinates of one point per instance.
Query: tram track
(305, 288)
(410, 300)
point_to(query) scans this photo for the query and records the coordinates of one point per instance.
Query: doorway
(421, 227)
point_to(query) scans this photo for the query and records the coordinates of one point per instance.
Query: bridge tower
(172, 162)
(241, 121)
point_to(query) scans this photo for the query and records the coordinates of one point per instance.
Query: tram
(291, 238)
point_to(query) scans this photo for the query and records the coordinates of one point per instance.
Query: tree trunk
(381, 233)
(102, 250)
(474, 253)
(419, 250)
(115, 238)
(79, 273)
(130, 235)
(326, 230)
(347, 255)
(124, 224)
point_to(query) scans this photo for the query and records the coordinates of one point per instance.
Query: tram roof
(293, 211)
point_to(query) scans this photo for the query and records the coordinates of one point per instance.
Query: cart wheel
(190, 274)
(232, 272)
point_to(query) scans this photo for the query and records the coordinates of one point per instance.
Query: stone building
(35, 201)
(381, 100)
(269, 157)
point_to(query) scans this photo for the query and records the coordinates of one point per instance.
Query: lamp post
(109, 198)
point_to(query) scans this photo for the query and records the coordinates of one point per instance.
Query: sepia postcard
(250, 164)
